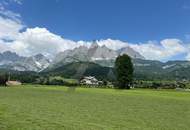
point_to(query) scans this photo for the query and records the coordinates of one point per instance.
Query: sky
(157, 29)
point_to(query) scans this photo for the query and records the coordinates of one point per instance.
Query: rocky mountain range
(11, 60)
(129, 51)
(94, 53)
(99, 55)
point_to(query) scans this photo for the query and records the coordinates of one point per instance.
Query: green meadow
(63, 108)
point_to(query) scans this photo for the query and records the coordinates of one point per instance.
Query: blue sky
(128, 20)
(141, 22)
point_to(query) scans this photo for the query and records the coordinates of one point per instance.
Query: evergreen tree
(3, 79)
(124, 71)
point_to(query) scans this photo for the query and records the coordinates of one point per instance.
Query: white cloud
(32, 40)
(40, 40)
(188, 53)
(10, 23)
(188, 57)
(7, 2)
(9, 29)
(160, 51)
(3, 46)
(112, 44)
(83, 43)
(10, 15)
(173, 46)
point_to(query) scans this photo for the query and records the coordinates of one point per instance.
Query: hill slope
(143, 70)
(79, 69)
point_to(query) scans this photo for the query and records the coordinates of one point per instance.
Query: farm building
(13, 83)
(89, 80)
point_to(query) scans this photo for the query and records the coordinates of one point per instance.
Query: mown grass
(62, 108)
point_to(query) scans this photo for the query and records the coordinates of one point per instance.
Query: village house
(89, 80)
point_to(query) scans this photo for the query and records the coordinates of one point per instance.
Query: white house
(89, 80)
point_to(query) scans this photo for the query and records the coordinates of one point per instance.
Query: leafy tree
(124, 71)
(105, 83)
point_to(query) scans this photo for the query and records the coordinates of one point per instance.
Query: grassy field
(61, 108)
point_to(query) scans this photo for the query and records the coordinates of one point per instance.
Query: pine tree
(124, 71)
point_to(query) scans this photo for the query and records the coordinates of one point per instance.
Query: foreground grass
(57, 108)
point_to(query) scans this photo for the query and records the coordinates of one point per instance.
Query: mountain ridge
(95, 55)
(12, 61)
(92, 54)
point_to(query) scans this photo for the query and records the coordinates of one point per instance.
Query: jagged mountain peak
(131, 52)
(10, 57)
(80, 48)
(94, 53)
(94, 45)
(104, 46)
(11, 60)
(39, 56)
(9, 53)
(101, 53)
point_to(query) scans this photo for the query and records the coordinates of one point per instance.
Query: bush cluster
(160, 84)
(55, 81)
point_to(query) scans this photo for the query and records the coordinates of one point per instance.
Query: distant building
(89, 80)
(13, 83)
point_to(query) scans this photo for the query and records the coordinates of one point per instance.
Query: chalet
(89, 80)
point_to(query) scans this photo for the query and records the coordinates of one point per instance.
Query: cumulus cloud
(32, 40)
(3, 46)
(40, 40)
(188, 57)
(165, 49)
(113, 44)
